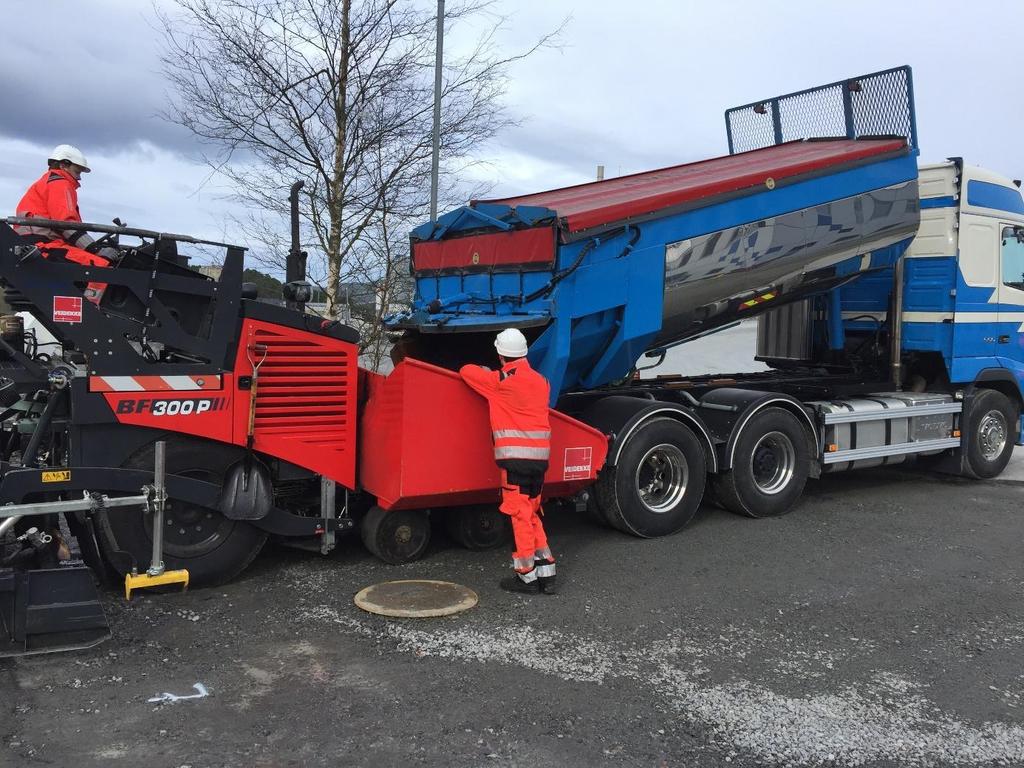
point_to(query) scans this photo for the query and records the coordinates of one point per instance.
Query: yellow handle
(252, 403)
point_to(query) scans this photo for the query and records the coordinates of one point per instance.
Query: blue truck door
(1010, 339)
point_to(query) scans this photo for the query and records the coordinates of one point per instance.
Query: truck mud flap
(45, 611)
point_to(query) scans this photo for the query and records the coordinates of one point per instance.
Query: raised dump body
(598, 273)
(716, 278)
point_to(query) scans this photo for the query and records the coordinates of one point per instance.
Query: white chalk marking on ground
(201, 693)
(884, 718)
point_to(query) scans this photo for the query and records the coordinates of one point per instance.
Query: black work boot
(545, 570)
(516, 583)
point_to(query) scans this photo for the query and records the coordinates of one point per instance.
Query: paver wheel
(398, 536)
(478, 527)
(211, 547)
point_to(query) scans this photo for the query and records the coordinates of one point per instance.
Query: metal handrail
(84, 226)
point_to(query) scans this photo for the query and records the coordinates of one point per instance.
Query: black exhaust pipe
(296, 291)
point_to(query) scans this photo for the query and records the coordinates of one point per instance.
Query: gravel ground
(879, 624)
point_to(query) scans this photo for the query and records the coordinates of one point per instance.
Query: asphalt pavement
(879, 624)
(1014, 472)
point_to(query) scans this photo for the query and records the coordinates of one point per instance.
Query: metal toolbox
(885, 428)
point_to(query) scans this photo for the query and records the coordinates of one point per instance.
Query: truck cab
(963, 285)
(988, 308)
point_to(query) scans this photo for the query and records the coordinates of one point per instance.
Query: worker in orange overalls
(517, 397)
(55, 196)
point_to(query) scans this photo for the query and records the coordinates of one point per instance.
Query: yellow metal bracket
(155, 575)
(145, 580)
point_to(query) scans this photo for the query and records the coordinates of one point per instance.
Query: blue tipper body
(640, 279)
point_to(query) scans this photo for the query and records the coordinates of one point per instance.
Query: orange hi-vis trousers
(93, 291)
(531, 543)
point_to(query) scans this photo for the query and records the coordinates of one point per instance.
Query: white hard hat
(511, 343)
(71, 154)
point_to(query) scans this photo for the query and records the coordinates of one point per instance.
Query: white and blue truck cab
(964, 277)
(961, 310)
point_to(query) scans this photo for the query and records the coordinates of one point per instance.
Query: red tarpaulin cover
(524, 248)
(612, 200)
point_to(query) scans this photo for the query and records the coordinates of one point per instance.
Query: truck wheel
(211, 547)
(398, 536)
(657, 484)
(991, 426)
(478, 527)
(770, 466)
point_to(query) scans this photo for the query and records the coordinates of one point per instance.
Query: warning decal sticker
(67, 309)
(578, 463)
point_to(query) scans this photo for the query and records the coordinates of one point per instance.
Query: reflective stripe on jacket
(517, 399)
(53, 196)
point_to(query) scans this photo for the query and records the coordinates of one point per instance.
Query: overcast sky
(635, 85)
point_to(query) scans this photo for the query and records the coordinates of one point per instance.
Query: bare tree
(339, 94)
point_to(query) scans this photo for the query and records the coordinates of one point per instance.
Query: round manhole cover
(416, 598)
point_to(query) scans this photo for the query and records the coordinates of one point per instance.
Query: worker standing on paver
(517, 398)
(55, 196)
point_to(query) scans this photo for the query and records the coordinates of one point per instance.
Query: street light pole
(438, 57)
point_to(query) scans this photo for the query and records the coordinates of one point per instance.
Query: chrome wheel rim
(661, 478)
(773, 463)
(992, 434)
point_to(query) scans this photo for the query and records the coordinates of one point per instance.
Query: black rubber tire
(396, 537)
(989, 410)
(738, 490)
(617, 492)
(478, 527)
(229, 546)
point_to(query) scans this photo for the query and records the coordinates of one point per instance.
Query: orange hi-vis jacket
(517, 397)
(53, 196)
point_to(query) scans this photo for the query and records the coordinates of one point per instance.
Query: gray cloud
(581, 150)
(645, 84)
(94, 82)
(634, 86)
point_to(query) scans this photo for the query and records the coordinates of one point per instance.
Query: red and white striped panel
(153, 383)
